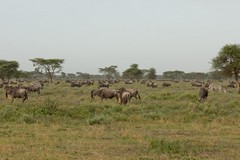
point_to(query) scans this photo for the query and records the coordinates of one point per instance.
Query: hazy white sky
(90, 34)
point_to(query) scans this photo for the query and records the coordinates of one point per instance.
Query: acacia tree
(150, 73)
(133, 72)
(8, 69)
(173, 74)
(83, 75)
(228, 60)
(50, 66)
(110, 72)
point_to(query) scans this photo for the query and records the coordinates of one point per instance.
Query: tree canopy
(133, 72)
(228, 60)
(110, 72)
(173, 74)
(149, 73)
(8, 69)
(50, 66)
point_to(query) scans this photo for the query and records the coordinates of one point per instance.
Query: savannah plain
(167, 123)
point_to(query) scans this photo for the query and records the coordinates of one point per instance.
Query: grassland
(168, 123)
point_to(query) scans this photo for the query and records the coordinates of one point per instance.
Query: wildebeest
(203, 94)
(109, 93)
(215, 88)
(75, 84)
(128, 81)
(17, 93)
(133, 92)
(124, 97)
(196, 84)
(143, 81)
(165, 84)
(231, 84)
(152, 84)
(35, 88)
(96, 92)
(103, 84)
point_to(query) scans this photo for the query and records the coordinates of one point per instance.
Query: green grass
(168, 123)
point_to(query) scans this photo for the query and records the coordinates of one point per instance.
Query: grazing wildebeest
(149, 84)
(75, 84)
(17, 93)
(143, 81)
(89, 82)
(203, 94)
(34, 88)
(231, 84)
(133, 92)
(215, 88)
(96, 92)
(128, 81)
(1, 85)
(152, 84)
(109, 93)
(103, 84)
(123, 97)
(165, 84)
(196, 84)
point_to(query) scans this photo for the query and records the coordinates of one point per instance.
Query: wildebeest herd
(21, 91)
(123, 95)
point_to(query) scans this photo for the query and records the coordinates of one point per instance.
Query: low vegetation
(64, 122)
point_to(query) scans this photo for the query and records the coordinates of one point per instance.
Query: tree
(8, 69)
(133, 72)
(151, 73)
(228, 60)
(173, 74)
(83, 75)
(63, 75)
(50, 66)
(218, 75)
(196, 75)
(110, 72)
(22, 74)
(71, 76)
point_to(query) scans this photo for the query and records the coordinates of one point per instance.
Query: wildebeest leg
(139, 97)
(24, 98)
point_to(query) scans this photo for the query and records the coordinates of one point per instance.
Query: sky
(167, 35)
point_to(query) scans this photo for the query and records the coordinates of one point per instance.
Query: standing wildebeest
(128, 81)
(203, 94)
(109, 93)
(165, 84)
(196, 83)
(152, 84)
(133, 92)
(96, 92)
(75, 84)
(17, 93)
(103, 84)
(35, 88)
(123, 97)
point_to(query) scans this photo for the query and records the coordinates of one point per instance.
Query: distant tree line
(226, 64)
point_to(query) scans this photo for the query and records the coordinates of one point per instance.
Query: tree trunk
(236, 78)
(238, 87)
